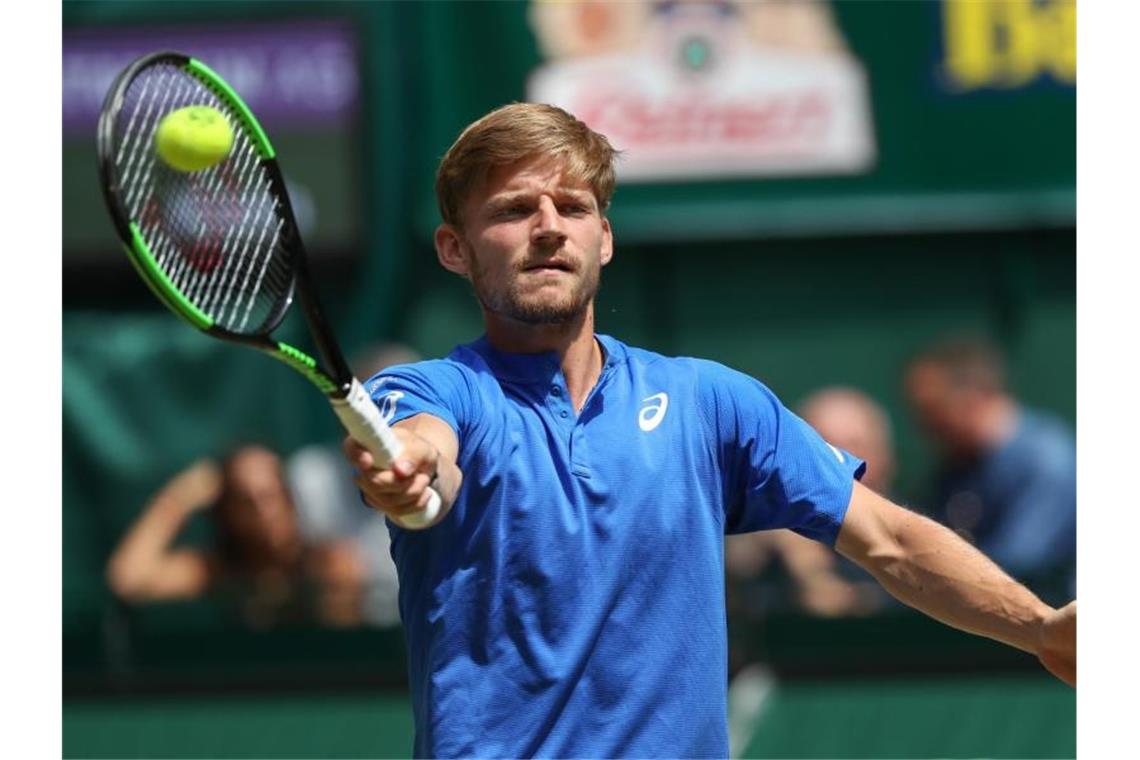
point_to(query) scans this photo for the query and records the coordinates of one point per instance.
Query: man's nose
(547, 230)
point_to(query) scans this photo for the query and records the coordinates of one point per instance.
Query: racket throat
(307, 366)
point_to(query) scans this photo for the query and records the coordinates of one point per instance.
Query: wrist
(1041, 627)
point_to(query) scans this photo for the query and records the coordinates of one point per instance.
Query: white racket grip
(362, 420)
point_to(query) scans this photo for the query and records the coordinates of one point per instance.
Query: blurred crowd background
(870, 206)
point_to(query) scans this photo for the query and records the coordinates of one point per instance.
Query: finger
(425, 497)
(357, 454)
(386, 493)
(417, 486)
(401, 507)
(391, 503)
(382, 481)
(404, 468)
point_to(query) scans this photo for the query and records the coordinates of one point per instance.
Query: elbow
(127, 582)
(887, 556)
(890, 552)
(909, 546)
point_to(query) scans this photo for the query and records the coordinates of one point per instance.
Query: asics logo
(376, 384)
(387, 404)
(838, 454)
(653, 412)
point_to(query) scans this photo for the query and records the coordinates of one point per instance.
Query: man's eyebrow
(507, 198)
(578, 194)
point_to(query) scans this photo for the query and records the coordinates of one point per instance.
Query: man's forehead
(530, 174)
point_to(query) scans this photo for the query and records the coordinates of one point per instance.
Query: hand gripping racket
(219, 246)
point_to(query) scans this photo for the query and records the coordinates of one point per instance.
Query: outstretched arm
(928, 567)
(145, 566)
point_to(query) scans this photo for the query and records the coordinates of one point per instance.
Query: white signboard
(708, 90)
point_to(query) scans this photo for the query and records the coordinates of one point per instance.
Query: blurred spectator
(851, 420)
(330, 507)
(308, 548)
(1007, 480)
(259, 557)
(824, 583)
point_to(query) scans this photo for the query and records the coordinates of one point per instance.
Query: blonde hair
(517, 132)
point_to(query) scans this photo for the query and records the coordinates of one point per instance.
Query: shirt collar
(541, 367)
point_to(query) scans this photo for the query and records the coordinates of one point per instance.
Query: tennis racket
(220, 246)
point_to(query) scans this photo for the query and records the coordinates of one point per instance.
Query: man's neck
(578, 350)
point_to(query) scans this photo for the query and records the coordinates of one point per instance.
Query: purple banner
(292, 75)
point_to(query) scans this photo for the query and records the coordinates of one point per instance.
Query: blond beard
(511, 304)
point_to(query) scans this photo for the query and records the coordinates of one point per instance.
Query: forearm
(930, 568)
(152, 533)
(447, 481)
(140, 558)
(145, 562)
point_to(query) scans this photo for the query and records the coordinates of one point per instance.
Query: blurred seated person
(825, 584)
(260, 558)
(1007, 479)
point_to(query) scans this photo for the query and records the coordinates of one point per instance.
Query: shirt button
(555, 390)
(564, 414)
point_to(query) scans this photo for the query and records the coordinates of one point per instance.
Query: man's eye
(574, 209)
(511, 212)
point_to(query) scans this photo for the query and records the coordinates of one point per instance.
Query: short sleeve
(436, 387)
(777, 471)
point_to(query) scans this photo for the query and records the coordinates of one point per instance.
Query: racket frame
(333, 377)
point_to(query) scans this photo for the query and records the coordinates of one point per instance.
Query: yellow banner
(1009, 43)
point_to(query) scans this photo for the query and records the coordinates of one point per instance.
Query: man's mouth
(550, 265)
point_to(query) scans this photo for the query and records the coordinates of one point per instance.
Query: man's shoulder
(458, 368)
(683, 365)
(1043, 424)
(713, 383)
(1046, 440)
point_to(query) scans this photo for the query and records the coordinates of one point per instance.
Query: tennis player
(570, 601)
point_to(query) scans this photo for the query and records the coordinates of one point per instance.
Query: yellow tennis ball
(193, 138)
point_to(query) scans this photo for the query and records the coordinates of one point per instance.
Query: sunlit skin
(533, 242)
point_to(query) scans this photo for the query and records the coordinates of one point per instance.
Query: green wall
(952, 718)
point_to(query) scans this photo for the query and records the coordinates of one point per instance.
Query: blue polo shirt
(572, 602)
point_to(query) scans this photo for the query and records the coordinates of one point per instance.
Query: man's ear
(607, 242)
(449, 250)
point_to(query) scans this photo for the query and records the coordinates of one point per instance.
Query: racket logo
(387, 404)
(653, 412)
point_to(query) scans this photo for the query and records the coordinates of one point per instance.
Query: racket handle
(363, 422)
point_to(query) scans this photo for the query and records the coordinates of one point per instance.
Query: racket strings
(215, 234)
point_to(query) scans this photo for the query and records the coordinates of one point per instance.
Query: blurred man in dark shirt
(1007, 480)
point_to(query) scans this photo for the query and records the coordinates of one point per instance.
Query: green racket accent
(160, 284)
(226, 93)
(304, 364)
